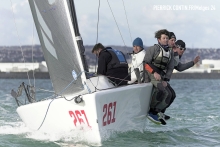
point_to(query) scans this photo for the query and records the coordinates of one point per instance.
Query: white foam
(72, 137)
(14, 128)
(66, 138)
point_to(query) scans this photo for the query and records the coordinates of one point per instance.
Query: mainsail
(55, 30)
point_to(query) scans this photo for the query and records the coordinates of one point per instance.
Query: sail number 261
(109, 113)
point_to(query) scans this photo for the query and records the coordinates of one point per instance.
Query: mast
(78, 37)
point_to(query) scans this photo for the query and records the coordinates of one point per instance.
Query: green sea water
(195, 120)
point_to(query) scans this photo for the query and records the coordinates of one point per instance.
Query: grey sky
(196, 24)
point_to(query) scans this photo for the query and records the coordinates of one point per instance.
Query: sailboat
(81, 103)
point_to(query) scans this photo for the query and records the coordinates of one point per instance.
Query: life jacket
(118, 59)
(162, 59)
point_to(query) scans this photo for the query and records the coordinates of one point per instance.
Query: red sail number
(79, 116)
(109, 113)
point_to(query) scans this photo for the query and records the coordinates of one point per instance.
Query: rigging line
(97, 35)
(118, 28)
(58, 95)
(129, 30)
(116, 23)
(127, 20)
(48, 110)
(41, 89)
(97, 42)
(127, 75)
(123, 79)
(45, 114)
(100, 89)
(98, 24)
(98, 77)
(18, 37)
(49, 97)
(32, 52)
(49, 107)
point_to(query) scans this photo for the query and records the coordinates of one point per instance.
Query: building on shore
(206, 66)
(23, 67)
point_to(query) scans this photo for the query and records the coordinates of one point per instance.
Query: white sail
(55, 30)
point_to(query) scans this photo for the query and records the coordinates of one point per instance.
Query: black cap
(181, 44)
(171, 35)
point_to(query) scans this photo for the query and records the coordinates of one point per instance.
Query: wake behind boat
(81, 103)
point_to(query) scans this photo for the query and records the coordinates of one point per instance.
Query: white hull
(117, 109)
(104, 107)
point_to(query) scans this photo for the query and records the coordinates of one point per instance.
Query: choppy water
(195, 120)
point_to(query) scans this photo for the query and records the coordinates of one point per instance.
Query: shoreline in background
(45, 75)
(23, 75)
(13, 54)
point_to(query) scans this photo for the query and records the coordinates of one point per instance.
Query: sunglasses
(181, 48)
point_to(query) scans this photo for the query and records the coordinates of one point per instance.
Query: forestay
(54, 25)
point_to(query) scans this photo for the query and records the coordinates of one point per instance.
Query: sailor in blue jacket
(112, 63)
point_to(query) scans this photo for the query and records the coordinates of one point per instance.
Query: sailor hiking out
(158, 59)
